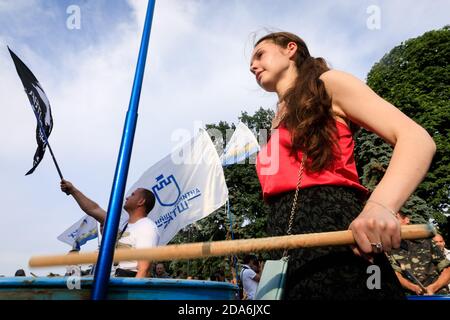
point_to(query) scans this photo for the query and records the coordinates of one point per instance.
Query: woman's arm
(411, 158)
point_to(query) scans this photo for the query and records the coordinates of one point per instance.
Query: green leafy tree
(415, 77)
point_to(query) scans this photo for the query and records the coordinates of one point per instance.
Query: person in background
(160, 271)
(219, 275)
(439, 240)
(20, 273)
(250, 276)
(420, 265)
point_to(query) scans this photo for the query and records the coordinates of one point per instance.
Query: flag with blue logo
(241, 146)
(80, 232)
(188, 184)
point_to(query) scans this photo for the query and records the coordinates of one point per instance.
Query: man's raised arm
(87, 205)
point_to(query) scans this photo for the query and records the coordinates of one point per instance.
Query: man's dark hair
(149, 198)
(250, 257)
(403, 213)
(20, 273)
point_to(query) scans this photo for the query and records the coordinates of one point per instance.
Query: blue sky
(48, 21)
(197, 73)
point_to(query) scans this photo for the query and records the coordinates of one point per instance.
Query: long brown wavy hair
(309, 116)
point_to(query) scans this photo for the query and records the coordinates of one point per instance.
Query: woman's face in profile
(269, 63)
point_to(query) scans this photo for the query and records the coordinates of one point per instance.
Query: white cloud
(10, 7)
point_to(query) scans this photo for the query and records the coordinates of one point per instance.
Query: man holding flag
(187, 185)
(139, 232)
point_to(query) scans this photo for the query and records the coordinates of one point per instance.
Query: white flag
(188, 184)
(80, 232)
(241, 146)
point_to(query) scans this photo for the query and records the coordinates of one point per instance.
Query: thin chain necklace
(279, 115)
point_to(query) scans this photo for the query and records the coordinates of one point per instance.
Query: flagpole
(105, 258)
(92, 272)
(235, 260)
(54, 160)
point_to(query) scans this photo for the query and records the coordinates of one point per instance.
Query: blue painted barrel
(28, 288)
(433, 297)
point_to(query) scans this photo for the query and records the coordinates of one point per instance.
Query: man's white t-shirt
(141, 234)
(248, 283)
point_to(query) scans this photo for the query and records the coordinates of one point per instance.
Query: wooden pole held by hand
(227, 247)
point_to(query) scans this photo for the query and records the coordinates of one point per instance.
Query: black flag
(40, 105)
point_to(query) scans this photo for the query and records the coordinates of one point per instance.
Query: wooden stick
(224, 248)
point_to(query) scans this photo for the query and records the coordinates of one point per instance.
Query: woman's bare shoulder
(333, 81)
(336, 76)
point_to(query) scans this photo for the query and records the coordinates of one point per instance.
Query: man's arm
(257, 277)
(443, 280)
(87, 205)
(408, 284)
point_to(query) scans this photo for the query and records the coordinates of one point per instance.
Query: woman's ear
(291, 49)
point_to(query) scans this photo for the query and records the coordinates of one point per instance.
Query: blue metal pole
(105, 257)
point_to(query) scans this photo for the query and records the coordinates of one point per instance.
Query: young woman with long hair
(317, 109)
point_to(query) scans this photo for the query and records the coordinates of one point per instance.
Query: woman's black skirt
(335, 272)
